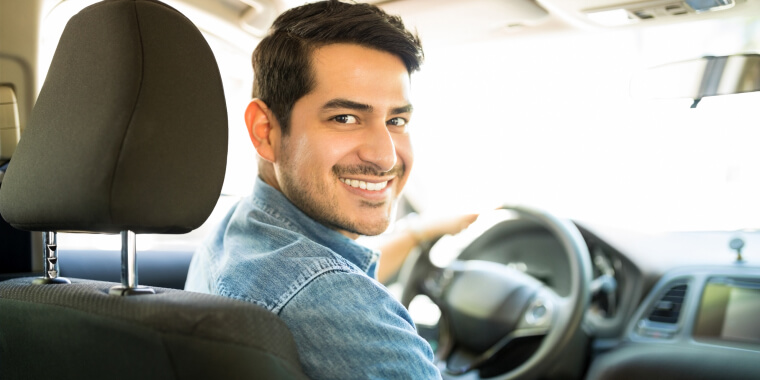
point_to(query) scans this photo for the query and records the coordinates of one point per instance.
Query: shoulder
(270, 270)
(349, 291)
(348, 324)
(256, 256)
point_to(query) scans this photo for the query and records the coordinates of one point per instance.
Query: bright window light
(549, 122)
(424, 311)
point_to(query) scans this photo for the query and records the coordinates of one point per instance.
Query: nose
(378, 147)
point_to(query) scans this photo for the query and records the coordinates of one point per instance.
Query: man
(329, 121)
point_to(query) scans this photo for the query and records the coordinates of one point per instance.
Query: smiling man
(344, 158)
(329, 121)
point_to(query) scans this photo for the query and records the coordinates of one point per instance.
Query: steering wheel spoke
(541, 312)
(494, 350)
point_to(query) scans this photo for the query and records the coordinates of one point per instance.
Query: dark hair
(282, 60)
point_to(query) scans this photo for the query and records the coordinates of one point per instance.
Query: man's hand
(430, 229)
(399, 244)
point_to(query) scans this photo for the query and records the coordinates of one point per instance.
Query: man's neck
(271, 181)
(350, 235)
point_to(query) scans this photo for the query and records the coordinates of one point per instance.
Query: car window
(549, 121)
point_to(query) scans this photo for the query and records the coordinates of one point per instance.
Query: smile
(371, 186)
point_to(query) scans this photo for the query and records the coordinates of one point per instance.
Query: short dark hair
(282, 60)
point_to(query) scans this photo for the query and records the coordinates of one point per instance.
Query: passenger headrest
(129, 131)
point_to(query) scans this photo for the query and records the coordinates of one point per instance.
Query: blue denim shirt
(321, 283)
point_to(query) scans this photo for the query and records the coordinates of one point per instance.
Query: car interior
(609, 147)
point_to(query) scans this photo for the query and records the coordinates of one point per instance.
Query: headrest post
(128, 259)
(129, 286)
(50, 260)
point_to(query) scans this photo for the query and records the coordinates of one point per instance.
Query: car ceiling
(456, 20)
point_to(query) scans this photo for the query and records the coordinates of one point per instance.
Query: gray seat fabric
(80, 331)
(129, 133)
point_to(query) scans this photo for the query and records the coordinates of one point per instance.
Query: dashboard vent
(667, 309)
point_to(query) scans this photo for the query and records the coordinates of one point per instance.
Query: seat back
(79, 331)
(129, 134)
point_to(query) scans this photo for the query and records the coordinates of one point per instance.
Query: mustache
(343, 170)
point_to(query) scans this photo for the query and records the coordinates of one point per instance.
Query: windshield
(548, 121)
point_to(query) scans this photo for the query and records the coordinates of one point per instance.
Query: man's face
(347, 155)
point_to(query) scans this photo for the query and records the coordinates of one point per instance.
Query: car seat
(128, 135)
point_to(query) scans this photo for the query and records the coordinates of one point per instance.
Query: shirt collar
(274, 203)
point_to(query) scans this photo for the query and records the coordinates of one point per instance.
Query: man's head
(282, 60)
(329, 121)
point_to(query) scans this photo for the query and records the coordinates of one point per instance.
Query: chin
(372, 229)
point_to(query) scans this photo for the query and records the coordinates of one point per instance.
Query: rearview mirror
(698, 78)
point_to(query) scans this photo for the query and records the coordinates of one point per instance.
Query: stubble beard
(316, 200)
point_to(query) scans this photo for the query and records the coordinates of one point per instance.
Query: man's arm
(399, 244)
(348, 326)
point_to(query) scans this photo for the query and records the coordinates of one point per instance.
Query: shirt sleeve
(347, 326)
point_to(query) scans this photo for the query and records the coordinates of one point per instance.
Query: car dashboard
(674, 303)
(697, 322)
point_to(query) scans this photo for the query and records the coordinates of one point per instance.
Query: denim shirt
(321, 283)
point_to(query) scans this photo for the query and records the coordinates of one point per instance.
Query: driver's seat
(128, 135)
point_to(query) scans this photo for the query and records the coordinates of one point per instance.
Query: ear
(260, 123)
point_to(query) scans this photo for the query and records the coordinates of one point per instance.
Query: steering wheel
(486, 306)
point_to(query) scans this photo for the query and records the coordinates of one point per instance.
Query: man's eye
(397, 121)
(345, 119)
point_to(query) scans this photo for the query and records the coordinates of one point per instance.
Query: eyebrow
(403, 109)
(349, 104)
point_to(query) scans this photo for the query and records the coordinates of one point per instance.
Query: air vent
(668, 307)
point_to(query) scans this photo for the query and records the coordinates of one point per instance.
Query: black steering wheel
(489, 307)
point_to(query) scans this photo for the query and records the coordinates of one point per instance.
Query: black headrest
(129, 131)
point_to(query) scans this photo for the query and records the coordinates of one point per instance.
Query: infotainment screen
(729, 310)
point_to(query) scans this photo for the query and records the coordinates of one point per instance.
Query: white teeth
(371, 186)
